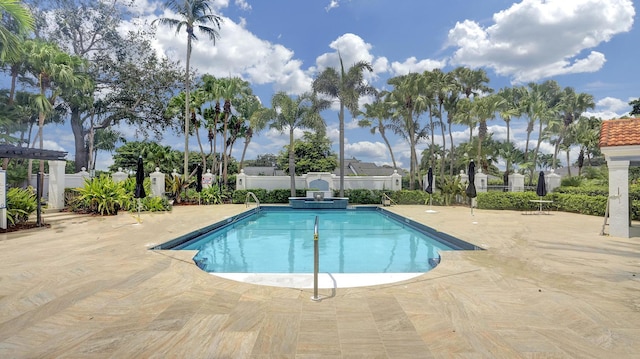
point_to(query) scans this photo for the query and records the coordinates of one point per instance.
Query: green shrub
(21, 203)
(517, 201)
(154, 204)
(212, 195)
(103, 196)
(580, 203)
(409, 197)
(573, 181)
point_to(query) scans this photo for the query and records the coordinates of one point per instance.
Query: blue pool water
(280, 240)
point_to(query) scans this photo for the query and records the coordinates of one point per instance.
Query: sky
(282, 45)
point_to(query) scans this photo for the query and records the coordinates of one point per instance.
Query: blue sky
(591, 45)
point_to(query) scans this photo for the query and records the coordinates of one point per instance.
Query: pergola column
(618, 198)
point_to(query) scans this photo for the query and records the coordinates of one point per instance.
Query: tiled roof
(623, 132)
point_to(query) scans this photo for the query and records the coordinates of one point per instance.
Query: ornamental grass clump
(103, 196)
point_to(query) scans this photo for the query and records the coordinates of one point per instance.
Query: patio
(547, 286)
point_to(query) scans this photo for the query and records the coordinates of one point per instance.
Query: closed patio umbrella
(541, 189)
(429, 188)
(139, 190)
(471, 187)
(199, 181)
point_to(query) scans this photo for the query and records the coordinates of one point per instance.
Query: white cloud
(535, 39)
(609, 107)
(269, 63)
(371, 151)
(413, 65)
(242, 4)
(332, 5)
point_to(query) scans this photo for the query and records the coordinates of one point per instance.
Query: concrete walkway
(548, 286)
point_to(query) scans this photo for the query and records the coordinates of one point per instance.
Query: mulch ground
(24, 226)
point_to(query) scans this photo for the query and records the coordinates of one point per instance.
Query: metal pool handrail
(251, 194)
(315, 261)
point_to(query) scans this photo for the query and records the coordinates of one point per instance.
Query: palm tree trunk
(341, 118)
(452, 153)
(386, 141)
(292, 163)
(186, 112)
(204, 157)
(244, 150)
(508, 159)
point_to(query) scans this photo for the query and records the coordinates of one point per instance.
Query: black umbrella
(429, 188)
(139, 191)
(199, 179)
(541, 190)
(471, 188)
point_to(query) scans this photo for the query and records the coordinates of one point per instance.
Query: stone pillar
(516, 182)
(396, 181)
(241, 180)
(119, 176)
(157, 183)
(175, 173)
(553, 181)
(207, 179)
(618, 198)
(481, 181)
(56, 185)
(464, 178)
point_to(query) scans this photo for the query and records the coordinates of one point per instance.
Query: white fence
(324, 181)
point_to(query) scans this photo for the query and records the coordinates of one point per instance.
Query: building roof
(354, 167)
(10, 151)
(622, 132)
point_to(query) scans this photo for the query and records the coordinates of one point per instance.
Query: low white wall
(392, 182)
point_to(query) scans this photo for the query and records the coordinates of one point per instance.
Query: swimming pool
(279, 240)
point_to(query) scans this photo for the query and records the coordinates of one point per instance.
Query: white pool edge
(325, 280)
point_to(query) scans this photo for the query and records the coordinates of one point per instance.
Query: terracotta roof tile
(622, 132)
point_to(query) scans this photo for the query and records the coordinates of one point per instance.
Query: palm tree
(407, 101)
(472, 82)
(587, 132)
(287, 113)
(484, 109)
(509, 107)
(21, 22)
(380, 112)
(256, 116)
(55, 71)
(346, 87)
(191, 13)
(230, 88)
(572, 105)
(444, 86)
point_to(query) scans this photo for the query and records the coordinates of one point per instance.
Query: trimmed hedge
(591, 200)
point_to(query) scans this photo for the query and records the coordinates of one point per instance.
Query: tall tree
(133, 85)
(377, 115)
(484, 109)
(408, 101)
(193, 14)
(635, 111)
(444, 85)
(230, 88)
(509, 107)
(346, 87)
(571, 106)
(290, 114)
(17, 21)
(55, 71)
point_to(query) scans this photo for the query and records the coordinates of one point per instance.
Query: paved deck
(548, 286)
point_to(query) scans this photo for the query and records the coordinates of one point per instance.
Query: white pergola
(620, 144)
